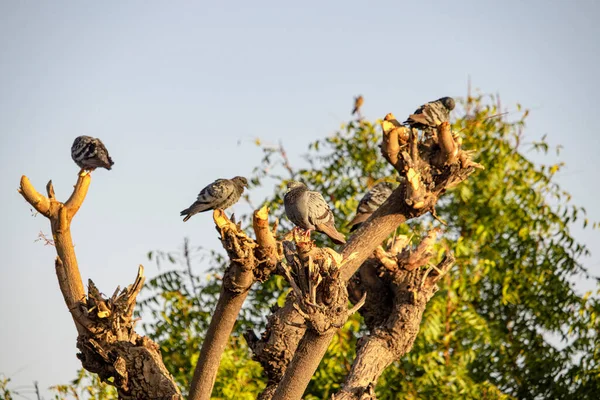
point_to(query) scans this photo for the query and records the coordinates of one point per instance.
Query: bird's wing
(420, 116)
(318, 209)
(216, 192)
(293, 210)
(371, 201)
(320, 215)
(379, 194)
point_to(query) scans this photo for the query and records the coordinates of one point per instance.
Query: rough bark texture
(275, 349)
(308, 355)
(113, 349)
(250, 261)
(107, 340)
(393, 331)
(321, 297)
(217, 337)
(429, 165)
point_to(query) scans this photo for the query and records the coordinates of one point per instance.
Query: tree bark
(217, 337)
(250, 261)
(308, 355)
(429, 166)
(106, 338)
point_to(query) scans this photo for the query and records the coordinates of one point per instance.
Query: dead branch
(107, 340)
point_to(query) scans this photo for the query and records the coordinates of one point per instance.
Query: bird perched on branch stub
(90, 153)
(370, 202)
(309, 210)
(432, 114)
(221, 194)
(358, 102)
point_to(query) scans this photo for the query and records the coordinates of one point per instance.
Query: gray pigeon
(309, 210)
(432, 114)
(90, 153)
(221, 194)
(370, 202)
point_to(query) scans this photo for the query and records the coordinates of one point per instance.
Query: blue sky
(178, 91)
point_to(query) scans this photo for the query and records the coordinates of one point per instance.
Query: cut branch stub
(269, 250)
(250, 261)
(396, 299)
(239, 276)
(112, 349)
(430, 163)
(321, 296)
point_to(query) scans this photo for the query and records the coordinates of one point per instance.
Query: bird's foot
(307, 234)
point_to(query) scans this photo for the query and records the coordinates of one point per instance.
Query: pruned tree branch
(394, 318)
(60, 216)
(429, 164)
(321, 298)
(250, 261)
(107, 340)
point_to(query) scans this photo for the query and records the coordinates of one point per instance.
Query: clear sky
(178, 91)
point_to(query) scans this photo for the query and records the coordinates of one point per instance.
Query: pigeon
(432, 114)
(309, 210)
(358, 102)
(221, 194)
(370, 202)
(90, 153)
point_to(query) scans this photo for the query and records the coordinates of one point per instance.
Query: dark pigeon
(432, 114)
(90, 153)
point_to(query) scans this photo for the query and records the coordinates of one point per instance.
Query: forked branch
(107, 340)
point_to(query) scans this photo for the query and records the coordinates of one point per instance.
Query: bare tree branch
(107, 340)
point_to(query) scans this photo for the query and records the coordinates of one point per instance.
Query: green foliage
(85, 386)
(5, 392)
(507, 321)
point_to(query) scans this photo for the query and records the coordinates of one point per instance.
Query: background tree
(507, 321)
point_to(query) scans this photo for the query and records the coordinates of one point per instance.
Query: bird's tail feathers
(333, 234)
(195, 209)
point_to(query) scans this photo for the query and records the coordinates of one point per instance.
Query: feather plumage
(221, 194)
(309, 210)
(90, 153)
(431, 114)
(370, 202)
